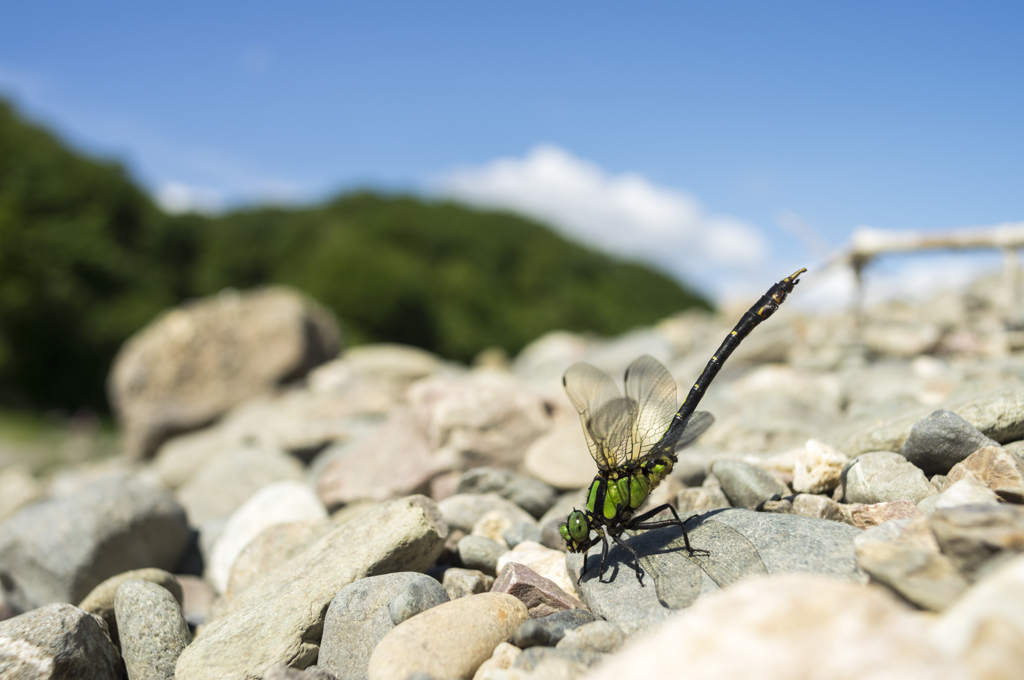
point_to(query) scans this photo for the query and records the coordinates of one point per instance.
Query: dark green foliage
(86, 259)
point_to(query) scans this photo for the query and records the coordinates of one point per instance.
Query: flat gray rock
(940, 441)
(883, 476)
(152, 629)
(547, 631)
(416, 597)
(523, 531)
(359, 617)
(59, 550)
(739, 543)
(57, 641)
(921, 576)
(745, 485)
(477, 552)
(530, 494)
(597, 636)
(463, 510)
(279, 619)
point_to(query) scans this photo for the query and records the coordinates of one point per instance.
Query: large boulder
(194, 362)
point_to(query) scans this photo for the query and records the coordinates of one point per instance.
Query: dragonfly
(634, 439)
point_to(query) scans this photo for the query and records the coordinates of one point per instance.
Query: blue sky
(698, 136)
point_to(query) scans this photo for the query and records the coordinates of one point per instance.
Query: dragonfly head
(576, 532)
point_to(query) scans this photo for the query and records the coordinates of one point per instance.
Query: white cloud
(177, 198)
(626, 214)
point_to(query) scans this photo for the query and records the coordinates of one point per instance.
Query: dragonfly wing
(654, 390)
(697, 424)
(611, 429)
(590, 390)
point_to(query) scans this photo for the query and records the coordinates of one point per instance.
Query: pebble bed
(858, 509)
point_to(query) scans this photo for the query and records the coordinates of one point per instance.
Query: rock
(739, 543)
(966, 491)
(277, 503)
(560, 457)
(394, 460)
(416, 597)
(940, 441)
(282, 672)
(18, 488)
(746, 485)
(225, 482)
(901, 339)
(482, 419)
(101, 600)
(883, 476)
(920, 576)
(864, 516)
(548, 356)
(596, 636)
(197, 597)
(193, 363)
(152, 629)
(540, 595)
(522, 531)
(477, 552)
(833, 629)
(493, 526)
(548, 630)
(462, 511)
(503, 657)
(59, 550)
(972, 536)
(278, 618)
(449, 641)
(360, 616)
(548, 662)
(997, 414)
(819, 507)
(986, 626)
(180, 457)
(530, 494)
(544, 561)
(463, 582)
(818, 468)
(701, 499)
(995, 467)
(271, 548)
(57, 641)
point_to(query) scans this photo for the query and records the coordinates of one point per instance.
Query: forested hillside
(86, 259)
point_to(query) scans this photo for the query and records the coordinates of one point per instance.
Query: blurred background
(459, 176)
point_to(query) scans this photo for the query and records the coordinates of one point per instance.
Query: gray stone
(225, 482)
(920, 576)
(279, 618)
(197, 597)
(738, 544)
(282, 672)
(820, 507)
(561, 457)
(463, 510)
(451, 640)
(745, 485)
(530, 494)
(360, 616)
(884, 476)
(101, 600)
(976, 537)
(477, 552)
(701, 499)
(537, 659)
(463, 582)
(966, 491)
(597, 636)
(59, 550)
(18, 488)
(940, 441)
(540, 595)
(546, 631)
(152, 629)
(55, 642)
(194, 362)
(996, 468)
(416, 597)
(523, 531)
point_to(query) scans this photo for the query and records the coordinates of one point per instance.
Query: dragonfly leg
(639, 523)
(604, 555)
(636, 558)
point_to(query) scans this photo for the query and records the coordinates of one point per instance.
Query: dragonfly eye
(577, 527)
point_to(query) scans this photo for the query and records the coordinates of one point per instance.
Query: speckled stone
(153, 629)
(57, 641)
(101, 600)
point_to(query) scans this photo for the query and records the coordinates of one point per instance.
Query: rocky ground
(388, 515)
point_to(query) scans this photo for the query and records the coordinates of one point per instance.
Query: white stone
(818, 468)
